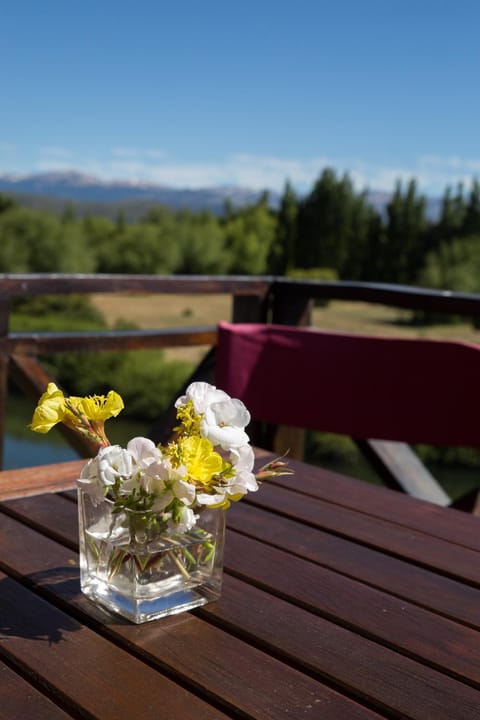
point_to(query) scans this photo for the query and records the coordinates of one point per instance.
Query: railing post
(253, 309)
(289, 309)
(4, 324)
(250, 308)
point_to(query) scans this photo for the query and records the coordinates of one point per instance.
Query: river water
(24, 448)
(20, 452)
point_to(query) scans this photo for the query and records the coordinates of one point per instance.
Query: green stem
(179, 565)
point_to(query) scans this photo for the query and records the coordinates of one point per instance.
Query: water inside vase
(159, 564)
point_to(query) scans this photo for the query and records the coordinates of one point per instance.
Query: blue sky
(196, 93)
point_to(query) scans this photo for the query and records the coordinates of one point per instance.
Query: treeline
(163, 242)
(332, 229)
(337, 228)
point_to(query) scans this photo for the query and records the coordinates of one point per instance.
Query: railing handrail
(255, 299)
(406, 296)
(14, 285)
(401, 296)
(35, 343)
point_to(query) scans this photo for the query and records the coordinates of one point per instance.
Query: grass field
(172, 310)
(382, 320)
(155, 311)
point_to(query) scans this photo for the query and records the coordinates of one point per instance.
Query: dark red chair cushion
(411, 390)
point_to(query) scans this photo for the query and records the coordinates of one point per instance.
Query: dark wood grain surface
(341, 600)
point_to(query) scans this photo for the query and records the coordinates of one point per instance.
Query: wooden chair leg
(401, 469)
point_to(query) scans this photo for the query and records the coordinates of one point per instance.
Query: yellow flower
(98, 408)
(200, 459)
(85, 415)
(189, 420)
(49, 411)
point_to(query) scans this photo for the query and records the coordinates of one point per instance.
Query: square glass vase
(132, 565)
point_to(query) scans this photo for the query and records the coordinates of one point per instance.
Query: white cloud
(432, 173)
(256, 172)
(133, 152)
(53, 165)
(55, 151)
(155, 153)
(453, 163)
(124, 152)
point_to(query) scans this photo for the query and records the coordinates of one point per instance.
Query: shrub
(56, 312)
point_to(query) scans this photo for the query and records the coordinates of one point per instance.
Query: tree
(6, 203)
(249, 236)
(282, 252)
(141, 249)
(201, 244)
(450, 222)
(455, 265)
(471, 222)
(452, 215)
(365, 258)
(405, 235)
(35, 241)
(333, 225)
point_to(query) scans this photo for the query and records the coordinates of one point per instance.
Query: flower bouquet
(152, 517)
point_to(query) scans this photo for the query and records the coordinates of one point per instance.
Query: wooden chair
(383, 392)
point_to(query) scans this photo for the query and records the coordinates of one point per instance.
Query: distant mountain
(53, 190)
(78, 188)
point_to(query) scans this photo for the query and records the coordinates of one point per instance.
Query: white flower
(143, 452)
(242, 460)
(207, 499)
(114, 463)
(89, 481)
(186, 520)
(202, 395)
(167, 483)
(184, 491)
(223, 423)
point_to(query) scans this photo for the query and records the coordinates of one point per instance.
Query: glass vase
(133, 565)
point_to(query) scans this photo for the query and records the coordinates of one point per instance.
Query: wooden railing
(19, 352)
(255, 299)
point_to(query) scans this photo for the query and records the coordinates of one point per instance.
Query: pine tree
(405, 235)
(333, 226)
(471, 223)
(282, 254)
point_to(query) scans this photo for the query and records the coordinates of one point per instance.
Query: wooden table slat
(202, 644)
(335, 647)
(323, 591)
(360, 665)
(416, 584)
(19, 699)
(66, 656)
(35, 480)
(423, 548)
(341, 601)
(379, 502)
(432, 638)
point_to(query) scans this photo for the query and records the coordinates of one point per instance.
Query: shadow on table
(24, 614)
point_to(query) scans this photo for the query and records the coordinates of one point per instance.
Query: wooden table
(341, 601)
